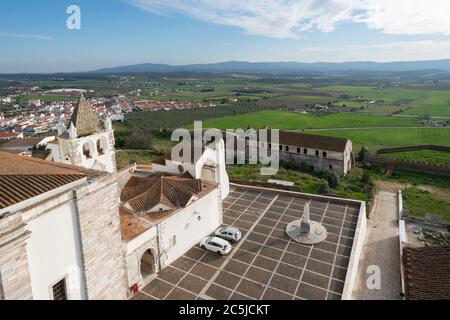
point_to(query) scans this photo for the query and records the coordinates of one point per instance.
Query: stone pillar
(15, 279)
(101, 242)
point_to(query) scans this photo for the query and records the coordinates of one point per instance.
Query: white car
(228, 233)
(216, 244)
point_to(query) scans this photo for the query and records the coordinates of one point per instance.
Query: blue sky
(34, 37)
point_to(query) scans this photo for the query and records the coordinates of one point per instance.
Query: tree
(140, 139)
(361, 154)
(332, 178)
(324, 188)
(366, 177)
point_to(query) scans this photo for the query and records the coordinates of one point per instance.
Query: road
(381, 248)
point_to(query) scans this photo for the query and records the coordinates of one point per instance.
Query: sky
(34, 37)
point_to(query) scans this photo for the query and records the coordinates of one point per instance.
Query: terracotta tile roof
(312, 141)
(9, 134)
(427, 272)
(17, 188)
(11, 164)
(23, 177)
(84, 118)
(22, 142)
(130, 225)
(173, 191)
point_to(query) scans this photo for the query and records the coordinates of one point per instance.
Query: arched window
(324, 154)
(87, 150)
(317, 153)
(287, 148)
(101, 146)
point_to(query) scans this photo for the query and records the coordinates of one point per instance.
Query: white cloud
(398, 51)
(25, 36)
(288, 18)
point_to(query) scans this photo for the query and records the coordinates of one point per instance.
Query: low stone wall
(406, 165)
(265, 185)
(414, 148)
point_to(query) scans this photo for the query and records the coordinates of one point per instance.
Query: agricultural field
(286, 120)
(46, 98)
(409, 100)
(419, 203)
(391, 137)
(426, 156)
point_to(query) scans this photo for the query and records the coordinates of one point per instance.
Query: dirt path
(395, 186)
(381, 250)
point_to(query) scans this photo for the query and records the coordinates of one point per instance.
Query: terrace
(266, 263)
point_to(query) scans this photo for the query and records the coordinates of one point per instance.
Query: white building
(74, 229)
(86, 142)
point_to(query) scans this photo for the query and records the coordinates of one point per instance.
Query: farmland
(426, 156)
(409, 100)
(392, 137)
(285, 120)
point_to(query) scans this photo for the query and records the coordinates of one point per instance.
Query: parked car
(228, 233)
(216, 244)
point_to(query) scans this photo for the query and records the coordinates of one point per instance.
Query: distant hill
(284, 67)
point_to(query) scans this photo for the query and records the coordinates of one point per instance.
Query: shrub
(361, 154)
(324, 188)
(331, 177)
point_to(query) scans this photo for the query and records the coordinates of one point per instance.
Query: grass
(350, 186)
(416, 101)
(391, 137)
(285, 120)
(414, 178)
(427, 156)
(419, 203)
(306, 182)
(126, 157)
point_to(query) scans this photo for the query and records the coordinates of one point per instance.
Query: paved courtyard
(265, 264)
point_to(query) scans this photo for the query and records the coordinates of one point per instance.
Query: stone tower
(86, 141)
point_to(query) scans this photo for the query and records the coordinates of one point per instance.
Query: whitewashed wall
(54, 252)
(183, 230)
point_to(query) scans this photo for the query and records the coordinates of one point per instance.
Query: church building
(76, 228)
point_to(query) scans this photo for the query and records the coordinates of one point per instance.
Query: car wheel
(202, 246)
(218, 252)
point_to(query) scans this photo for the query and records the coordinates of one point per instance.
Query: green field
(285, 120)
(411, 100)
(419, 203)
(48, 98)
(397, 137)
(427, 156)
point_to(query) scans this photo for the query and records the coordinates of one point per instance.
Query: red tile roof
(9, 134)
(23, 177)
(142, 194)
(17, 188)
(427, 272)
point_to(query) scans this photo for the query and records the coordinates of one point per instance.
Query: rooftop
(84, 118)
(22, 177)
(150, 199)
(427, 272)
(312, 141)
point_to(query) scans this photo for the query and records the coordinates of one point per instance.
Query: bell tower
(86, 141)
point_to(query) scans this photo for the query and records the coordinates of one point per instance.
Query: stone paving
(265, 264)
